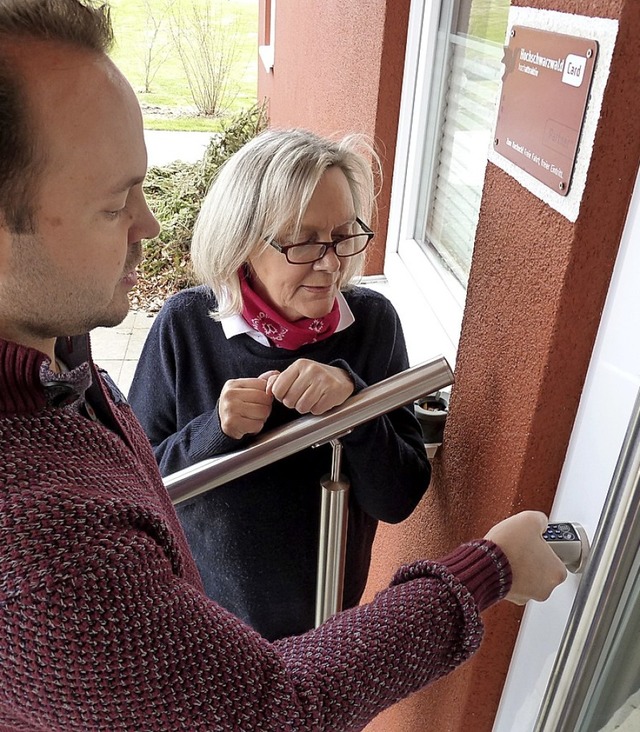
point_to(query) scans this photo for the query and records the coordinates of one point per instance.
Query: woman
(275, 332)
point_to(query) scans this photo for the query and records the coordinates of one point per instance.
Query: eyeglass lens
(305, 253)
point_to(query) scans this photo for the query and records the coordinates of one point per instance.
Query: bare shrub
(205, 40)
(157, 43)
(174, 193)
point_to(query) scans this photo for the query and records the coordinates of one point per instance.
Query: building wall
(536, 292)
(338, 69)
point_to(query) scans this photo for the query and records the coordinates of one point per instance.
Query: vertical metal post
(334, 517)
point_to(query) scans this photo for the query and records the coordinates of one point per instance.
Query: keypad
(560, 532)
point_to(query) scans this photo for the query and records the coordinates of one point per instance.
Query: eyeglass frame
(284, 249)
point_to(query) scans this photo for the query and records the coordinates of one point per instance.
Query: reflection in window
(614, 702)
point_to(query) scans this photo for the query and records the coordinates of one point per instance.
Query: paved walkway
(165, 146)
(117, 350)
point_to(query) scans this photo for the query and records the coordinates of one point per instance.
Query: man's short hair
(79, 23)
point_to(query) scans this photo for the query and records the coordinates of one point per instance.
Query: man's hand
(309, 387)
(244, 407)
(536, 569)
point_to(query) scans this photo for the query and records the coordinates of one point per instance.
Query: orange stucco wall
(338, 69)
(536, 292)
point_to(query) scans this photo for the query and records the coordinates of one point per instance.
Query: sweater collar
(27, 383)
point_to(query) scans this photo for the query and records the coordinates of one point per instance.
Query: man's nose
(146, 225)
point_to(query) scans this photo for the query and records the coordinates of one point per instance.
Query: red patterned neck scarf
(280, 331)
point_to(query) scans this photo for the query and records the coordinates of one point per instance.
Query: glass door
(595, 683)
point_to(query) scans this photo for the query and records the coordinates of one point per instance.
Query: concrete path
(166, 146)
(118, 349)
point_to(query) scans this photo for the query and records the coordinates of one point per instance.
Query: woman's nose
(329, 262)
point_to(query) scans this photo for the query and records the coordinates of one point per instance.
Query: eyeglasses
(307, 252)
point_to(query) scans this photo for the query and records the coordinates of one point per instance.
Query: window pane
(467, 111)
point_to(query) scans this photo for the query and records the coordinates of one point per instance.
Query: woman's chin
(318, 308)
(316, 313)
(308, 307)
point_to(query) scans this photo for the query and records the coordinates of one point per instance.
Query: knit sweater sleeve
(113, 638)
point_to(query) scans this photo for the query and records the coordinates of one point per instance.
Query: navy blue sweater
(255, 539)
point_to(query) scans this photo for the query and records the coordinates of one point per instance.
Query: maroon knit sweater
(103, 622)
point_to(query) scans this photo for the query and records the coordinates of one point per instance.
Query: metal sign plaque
(545, 88)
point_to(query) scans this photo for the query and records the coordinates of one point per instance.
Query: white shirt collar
(234, 325)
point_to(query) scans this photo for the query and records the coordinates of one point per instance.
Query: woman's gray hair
(262, 192)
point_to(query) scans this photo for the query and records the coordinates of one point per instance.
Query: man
(103, 621)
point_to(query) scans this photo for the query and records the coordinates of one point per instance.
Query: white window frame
(408, 267)
(267, 52)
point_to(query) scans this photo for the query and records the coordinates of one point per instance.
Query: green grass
(184, 124)
(169, 87)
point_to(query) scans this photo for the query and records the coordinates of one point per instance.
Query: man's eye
(114, 214)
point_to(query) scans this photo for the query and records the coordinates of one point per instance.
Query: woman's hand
(244, 407)
(309, 387)
(536, 570)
